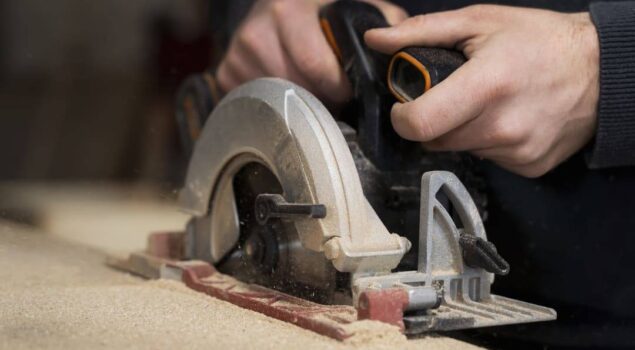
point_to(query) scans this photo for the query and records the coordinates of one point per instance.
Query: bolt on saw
(321, 220)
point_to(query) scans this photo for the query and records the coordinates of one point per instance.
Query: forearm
(614, 143)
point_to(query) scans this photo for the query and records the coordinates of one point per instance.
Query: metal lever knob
(275, 206)
(478, 252)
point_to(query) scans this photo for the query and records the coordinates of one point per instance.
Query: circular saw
(343, 212)
(276, 199)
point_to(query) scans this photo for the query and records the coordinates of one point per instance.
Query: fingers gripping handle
(412, 70)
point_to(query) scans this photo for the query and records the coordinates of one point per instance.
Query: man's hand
(283, 38)
(527, 96)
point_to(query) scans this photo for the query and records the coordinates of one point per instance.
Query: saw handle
(411, 72)
(414, 70)
(196, 97)
(344, 23)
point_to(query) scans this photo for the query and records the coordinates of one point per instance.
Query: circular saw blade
(270, 254)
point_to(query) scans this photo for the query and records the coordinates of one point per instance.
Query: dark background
(86, 87)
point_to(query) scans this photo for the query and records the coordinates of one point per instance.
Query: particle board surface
(56, 293)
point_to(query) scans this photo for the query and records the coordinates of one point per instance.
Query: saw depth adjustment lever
(270, 206)
(412, 70)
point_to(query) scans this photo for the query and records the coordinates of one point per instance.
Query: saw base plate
(164, 255)
(162, 259)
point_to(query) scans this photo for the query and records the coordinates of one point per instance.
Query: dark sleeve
(614, 143)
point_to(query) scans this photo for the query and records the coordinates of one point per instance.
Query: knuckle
(279, 10)
(418, 20)
(394, 14)
(397, 13)
(526, 154)
(478, 11)
(501, 83)
(313, 65)
(247, 36)
(505, 133)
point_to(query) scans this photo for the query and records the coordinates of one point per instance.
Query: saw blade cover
(289, 131)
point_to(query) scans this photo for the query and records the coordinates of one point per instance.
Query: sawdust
(376, 333)
(365, 334)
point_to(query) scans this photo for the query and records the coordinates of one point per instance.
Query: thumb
(442, 29)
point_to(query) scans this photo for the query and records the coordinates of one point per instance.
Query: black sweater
(615, 137)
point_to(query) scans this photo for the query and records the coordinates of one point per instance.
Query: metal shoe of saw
(276, 199)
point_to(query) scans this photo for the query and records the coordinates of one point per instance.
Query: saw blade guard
(285, 128)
